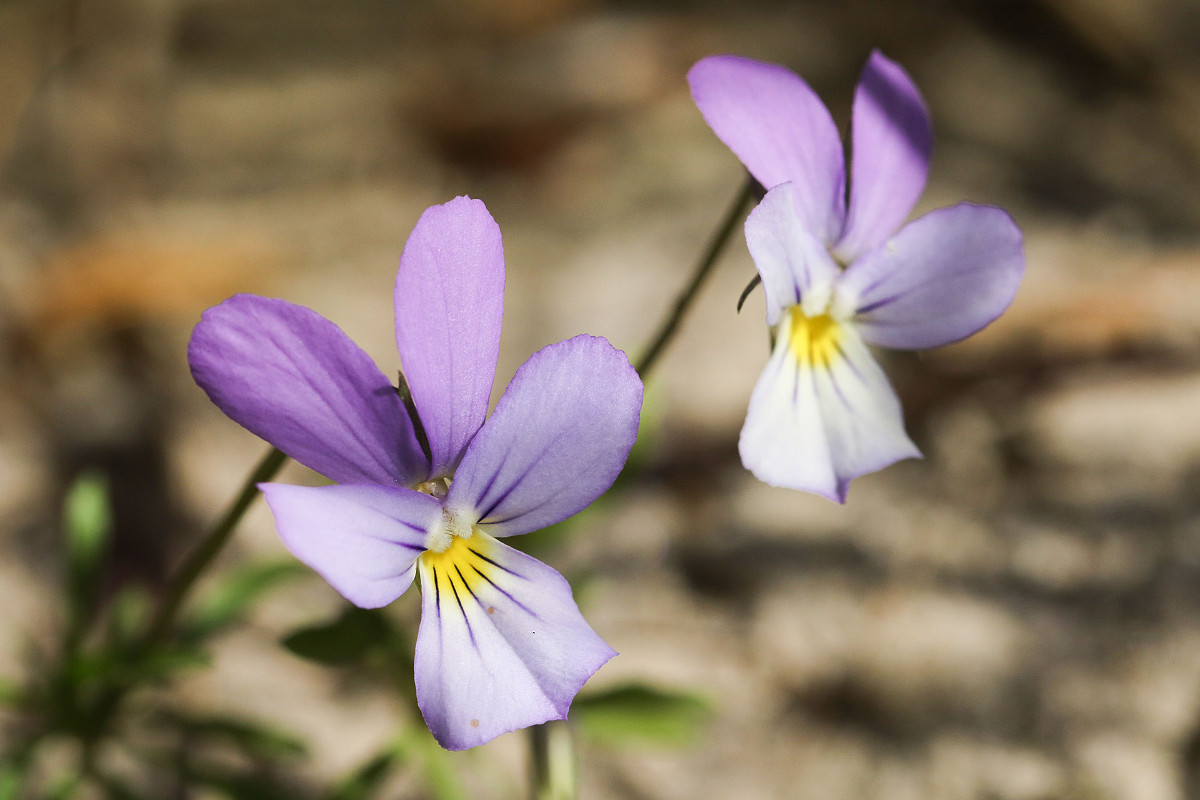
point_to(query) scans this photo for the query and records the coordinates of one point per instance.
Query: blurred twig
(746, 195)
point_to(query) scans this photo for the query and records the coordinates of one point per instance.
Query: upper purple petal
(294, 378)
(892, 142)
(449, 310)
(502, 644)
(363, 539)
(942, 278)
(778, 127)
(790, 260)
(556, 441)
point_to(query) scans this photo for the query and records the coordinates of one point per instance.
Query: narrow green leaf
(244, 786)
(12, 695)
(87, 522)
(229, 600)
(12, 778)
(346, 640)
(367, 779)
(107, 667)
(116, 789)
(250, 738)
(440, 768)
(128, 614)
(87, 518)
(638, 715)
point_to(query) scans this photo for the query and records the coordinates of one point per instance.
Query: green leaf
(257, 741)
(243, 786)
(225, 604)
(366, 780)
(346, 640)
(106, 667)
(116, 789)
(440, 768)
(64, 787)
(11, 694)
(12, 778)
(638, 715)
(87, 521)
(128, 614)
(86, 516)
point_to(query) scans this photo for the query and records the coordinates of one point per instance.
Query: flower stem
(103, 708)
(746, 195)
(552, 760)
(212, 544)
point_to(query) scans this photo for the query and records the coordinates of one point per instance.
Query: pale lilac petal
(780, 130)
(892, 143)
(294, 378)
(793, 265)
(449, 309)
(822, 415)
(942, 278)
(363, 539)
(783, 441)
(502, 644)
(556, 441)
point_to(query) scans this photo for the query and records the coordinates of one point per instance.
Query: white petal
(823, 412)
(795, 266)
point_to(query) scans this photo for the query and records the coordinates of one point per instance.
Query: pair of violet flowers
(501, 643)
(836, 272)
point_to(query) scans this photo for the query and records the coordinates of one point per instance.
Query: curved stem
(746, 196)
(197, 561)
(552, 760)
(212, 544)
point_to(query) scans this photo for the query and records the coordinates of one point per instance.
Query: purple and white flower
(840, 274)
(502, 644)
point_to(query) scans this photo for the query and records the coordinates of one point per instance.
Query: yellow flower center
(455, 574)
(814, 341)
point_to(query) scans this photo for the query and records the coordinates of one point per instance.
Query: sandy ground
(1016, 617)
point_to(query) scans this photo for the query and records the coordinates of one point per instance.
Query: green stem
(194, 566)
(212, 544)
(737, 210)
(552, 761)
(551, 751)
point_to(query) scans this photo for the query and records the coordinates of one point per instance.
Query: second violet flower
(837, 273)
(501, 644)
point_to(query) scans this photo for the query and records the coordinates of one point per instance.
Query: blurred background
(1015, 617)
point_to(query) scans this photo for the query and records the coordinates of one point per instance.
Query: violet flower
(501, 644)
(838, 275)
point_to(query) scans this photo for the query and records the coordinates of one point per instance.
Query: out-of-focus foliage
(637, 715)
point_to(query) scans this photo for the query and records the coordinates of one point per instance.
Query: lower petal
(822, 412)
(502, 644)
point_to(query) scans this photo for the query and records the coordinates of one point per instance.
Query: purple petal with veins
(502, 644)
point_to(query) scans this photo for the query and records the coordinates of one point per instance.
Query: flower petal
(792, 263)
(556, 441)
(502, 644)
(362, 539)
(289, 375)
(822, 412)
(942, 278)
(892, 142)
(449, 310)
(778, 127)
